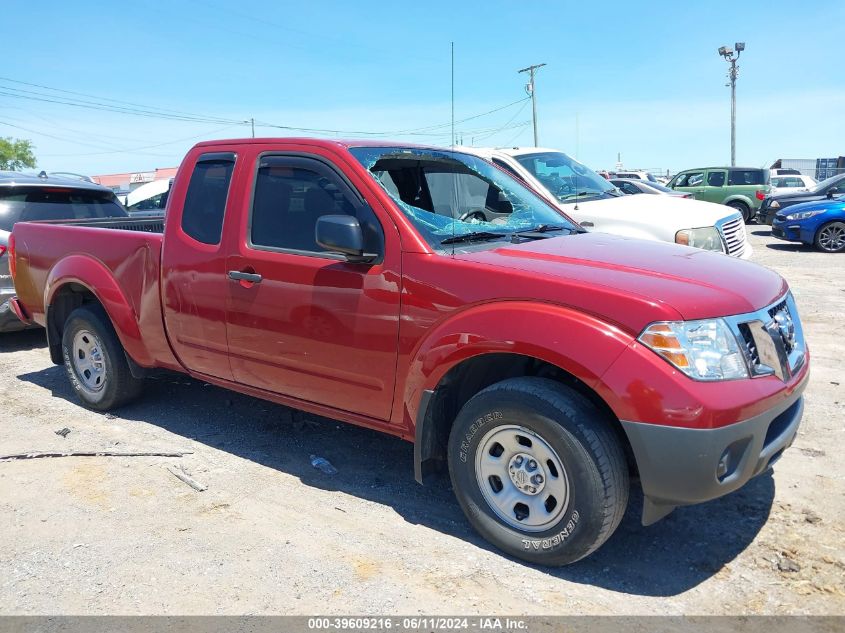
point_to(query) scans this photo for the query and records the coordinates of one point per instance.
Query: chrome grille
(772, 339)
(733, 233)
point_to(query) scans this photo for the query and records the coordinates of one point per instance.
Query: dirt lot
(273, 535)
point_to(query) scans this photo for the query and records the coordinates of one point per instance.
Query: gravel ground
(123, 535)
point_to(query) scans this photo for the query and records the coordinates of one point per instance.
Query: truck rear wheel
(538, 470)
(95, 361)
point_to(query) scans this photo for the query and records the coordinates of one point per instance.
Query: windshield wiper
(542, 228)
(474, 236)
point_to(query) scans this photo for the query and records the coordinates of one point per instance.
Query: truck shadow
(665, 559)
(23, 340)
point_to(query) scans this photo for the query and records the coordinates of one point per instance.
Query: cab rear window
(26, 204)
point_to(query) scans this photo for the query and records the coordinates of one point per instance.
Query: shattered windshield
(453, 197)
(565, 178)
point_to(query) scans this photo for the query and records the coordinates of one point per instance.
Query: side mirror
(342, 234)
(832, 192)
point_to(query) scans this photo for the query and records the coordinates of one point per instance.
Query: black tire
(742, 208)
(830, 238)
(594, 468)
(117, 386)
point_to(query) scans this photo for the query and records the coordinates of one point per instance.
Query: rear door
(306, 323)
(747, 182)
(714, 189)
(194, 279)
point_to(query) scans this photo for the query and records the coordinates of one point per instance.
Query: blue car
(820, 224)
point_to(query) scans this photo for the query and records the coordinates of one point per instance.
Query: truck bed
(151, 224)
(121, 260)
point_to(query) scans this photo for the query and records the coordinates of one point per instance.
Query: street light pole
(731, 56)
(529, 88)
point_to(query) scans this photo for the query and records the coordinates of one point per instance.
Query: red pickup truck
(431, 295)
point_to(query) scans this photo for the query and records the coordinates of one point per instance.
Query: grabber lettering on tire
(538, 470)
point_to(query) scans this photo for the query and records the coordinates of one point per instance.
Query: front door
(305, 322)
(691, 182)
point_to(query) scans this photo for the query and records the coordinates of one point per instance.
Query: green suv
(742, 188)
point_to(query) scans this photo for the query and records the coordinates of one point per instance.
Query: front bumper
(9, 321)
(787, 231)
(683, 466)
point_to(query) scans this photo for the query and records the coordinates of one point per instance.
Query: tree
(15, 154)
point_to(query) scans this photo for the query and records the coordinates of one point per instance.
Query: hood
(691, 213)
(633, 282)
(812, 205)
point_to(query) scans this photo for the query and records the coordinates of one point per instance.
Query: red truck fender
(576, 343)
(97, 279)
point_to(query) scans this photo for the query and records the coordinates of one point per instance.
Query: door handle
(237, 275)
(587, 224)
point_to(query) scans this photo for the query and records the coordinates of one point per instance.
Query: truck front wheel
(95, 361)
(538, 470)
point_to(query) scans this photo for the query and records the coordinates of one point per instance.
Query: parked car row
(825, 190)
(595, 203)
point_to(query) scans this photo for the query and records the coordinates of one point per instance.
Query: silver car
(25, 198)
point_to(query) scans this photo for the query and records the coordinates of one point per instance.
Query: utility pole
(731, 56)
(252, 124)
(529, 88)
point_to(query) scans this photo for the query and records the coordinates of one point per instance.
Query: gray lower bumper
(681, 466)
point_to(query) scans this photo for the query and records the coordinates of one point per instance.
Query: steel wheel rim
(509, 484)
(832, 238)
(88, 361)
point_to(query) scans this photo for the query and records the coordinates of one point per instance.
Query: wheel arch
(434, 397)
(741, 199)
(80, 280)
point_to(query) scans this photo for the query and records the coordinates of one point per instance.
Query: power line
(505, 126)
(421, 131)
(83, 94)
(138, 149)
(117, 106)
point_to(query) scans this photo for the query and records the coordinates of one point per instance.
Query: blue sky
(641, 79)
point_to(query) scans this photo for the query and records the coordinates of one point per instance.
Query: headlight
(803, 215)
(707, 238)
(703, 350)
(774, 205)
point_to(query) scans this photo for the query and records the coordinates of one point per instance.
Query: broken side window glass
(448, 194)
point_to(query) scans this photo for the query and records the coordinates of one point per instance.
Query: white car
(149, 198)
(792, 183)
(597, 205)
(637, 175)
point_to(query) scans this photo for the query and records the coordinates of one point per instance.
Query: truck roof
(320, 142)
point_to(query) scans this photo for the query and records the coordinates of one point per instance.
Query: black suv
(24, 198)
(825, 189)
